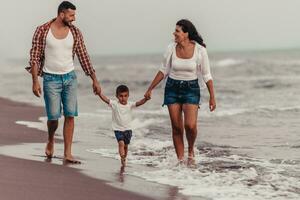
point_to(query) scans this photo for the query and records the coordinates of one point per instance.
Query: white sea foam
(220, 112)
(228, 62)
(40, 125)
(225, 177)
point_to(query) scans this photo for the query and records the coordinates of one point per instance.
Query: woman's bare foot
(191, 158)
(191, 162)
(180, 162)
(49, 150)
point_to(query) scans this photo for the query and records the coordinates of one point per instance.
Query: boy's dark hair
(121, 88)
(65, 5)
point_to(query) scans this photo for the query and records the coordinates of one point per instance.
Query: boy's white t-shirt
(121, 115)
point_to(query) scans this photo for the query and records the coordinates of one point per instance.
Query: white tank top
(59, 54)
(184, 69)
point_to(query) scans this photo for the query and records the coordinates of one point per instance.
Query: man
(54, 46)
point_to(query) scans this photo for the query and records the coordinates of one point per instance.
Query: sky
(114, 27)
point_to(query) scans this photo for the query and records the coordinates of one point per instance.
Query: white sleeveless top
(203, 66)
(184, 69)
(58, 54)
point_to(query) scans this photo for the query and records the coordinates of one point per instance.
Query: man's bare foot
(71, 160)
(49, 150)
(123, 161)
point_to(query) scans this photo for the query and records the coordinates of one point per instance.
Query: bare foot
(191, 162)
(180, 162)
(49, 150)
(71, 160)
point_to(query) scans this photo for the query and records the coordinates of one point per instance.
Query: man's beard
(66, 23)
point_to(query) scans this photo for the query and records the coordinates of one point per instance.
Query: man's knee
(52, 125)
(69, 119)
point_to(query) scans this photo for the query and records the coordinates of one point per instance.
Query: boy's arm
(104, 98)
(141, 102)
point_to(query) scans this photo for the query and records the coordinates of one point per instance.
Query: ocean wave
(228, 62)
(257, 110)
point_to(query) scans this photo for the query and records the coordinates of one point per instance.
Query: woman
(185, 65)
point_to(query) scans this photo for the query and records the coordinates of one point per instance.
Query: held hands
(36, 88)
(147, 95)
(96, 88)
(212, 104)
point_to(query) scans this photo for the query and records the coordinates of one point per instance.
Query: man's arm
(86, 64)
(35, 57)
(96, 85)
(141, 102)
(36, 87)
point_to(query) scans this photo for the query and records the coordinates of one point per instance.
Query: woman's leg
(126, 150)
(175, 112)
(190, 125)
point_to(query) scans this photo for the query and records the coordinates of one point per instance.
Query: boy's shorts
(123, 136)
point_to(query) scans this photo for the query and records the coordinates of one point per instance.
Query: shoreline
(27, 179)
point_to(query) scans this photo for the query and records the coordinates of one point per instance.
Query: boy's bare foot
(123, 161)
(49, 150)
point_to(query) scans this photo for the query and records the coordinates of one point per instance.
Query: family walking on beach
(185, 70)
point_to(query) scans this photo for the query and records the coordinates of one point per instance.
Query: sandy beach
(26, 179)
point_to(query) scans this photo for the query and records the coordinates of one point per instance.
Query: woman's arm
(159, 76)
(141, 102)
(212, 101)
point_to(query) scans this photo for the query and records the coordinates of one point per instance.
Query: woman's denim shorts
(182, 92)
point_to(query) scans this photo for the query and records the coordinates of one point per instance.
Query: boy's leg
(122, 152)
(121, 148)
(127, 138)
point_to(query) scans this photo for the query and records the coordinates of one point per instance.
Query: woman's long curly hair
(188, 26)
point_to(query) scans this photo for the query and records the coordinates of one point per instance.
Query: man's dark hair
(121, 88)
(65, 5)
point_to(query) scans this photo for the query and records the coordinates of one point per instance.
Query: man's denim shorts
(182, 92)
(60, 92)
(124, 136)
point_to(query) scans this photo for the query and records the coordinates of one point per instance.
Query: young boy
(122, 117)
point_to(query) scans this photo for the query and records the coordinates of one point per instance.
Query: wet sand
(26, 179)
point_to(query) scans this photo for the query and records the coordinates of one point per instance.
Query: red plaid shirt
(37, 52)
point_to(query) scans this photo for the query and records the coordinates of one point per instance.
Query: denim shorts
(182, 92)
(124, 136)
(60, 92)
